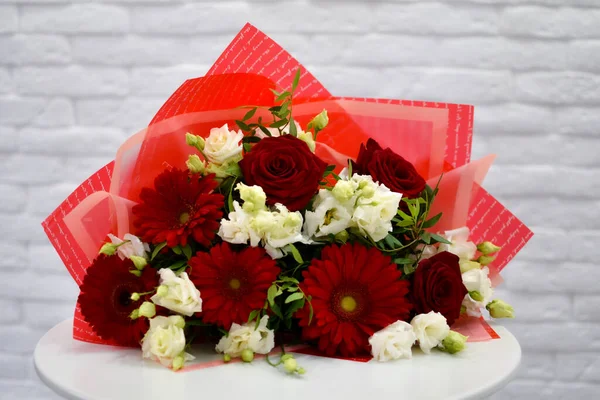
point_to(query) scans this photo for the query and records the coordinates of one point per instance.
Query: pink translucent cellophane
(435, 137)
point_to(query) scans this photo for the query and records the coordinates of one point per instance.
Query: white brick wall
(78, 77)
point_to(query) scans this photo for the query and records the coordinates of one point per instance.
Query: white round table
(78, 370)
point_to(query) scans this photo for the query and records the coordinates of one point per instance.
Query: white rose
(329, 216)
(134, 246)
(223, 145)
(181, 297)
(165, 340)
(461, 246)
(260, 340)
(477, 280)
(430, 329)
(393, 342)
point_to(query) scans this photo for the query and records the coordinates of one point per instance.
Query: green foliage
(410, 231)
(281, 114)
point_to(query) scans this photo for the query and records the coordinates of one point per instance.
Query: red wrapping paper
(435, 137)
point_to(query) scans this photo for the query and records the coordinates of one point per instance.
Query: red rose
(438, 286)
(286, 170)
(389, 168)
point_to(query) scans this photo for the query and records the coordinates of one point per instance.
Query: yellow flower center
(184, 218)
(234, 284)
(329, 215)
(348, 303)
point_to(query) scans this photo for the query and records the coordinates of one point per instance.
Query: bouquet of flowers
(256, 208)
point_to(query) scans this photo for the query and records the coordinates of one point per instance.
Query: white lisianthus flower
(254, 198)
(330, 216)
(376, 207)
(134, 246)
(393, 342)
(480, 290)
(241, 337)
(165, 341)
(222, 145)
(344, 191)
(236, 228)
(181, 295)
(461, 246)
(430, 329)
(275, 229)
(285, 228)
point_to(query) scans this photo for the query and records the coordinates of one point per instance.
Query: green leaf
(278, 124)
(242, 125)
(392, 241)
(253, 315)
(311, 312)
(403, 261)
(282, 96)
(405, 223)
(292, 288)
(293, 129)
(295, 306)
(404, 216)
(413, 208)
(177, 250)
(187, 251)
(230, 200)
(272, 293)
(295, 253)
(265, 130)
(250, 139)
(296, 79)
(157, 249)
(426, 237)
(432, 221)
(275, 92)
(440, 239)
(275, 308)
(294, 297)
(249, 114)
(288, 279)
(178, 264)
(247, 147)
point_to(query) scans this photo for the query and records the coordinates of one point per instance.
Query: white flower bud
(147, 310)
(500, 309)
(195, 164)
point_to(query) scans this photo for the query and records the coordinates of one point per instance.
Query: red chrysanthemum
(356, 291)
(232, 284)
(105, 299)
(180, 205)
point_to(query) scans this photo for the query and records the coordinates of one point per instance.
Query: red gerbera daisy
(356, 291)
(105, 299)
(232, 284)
(180, 205)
